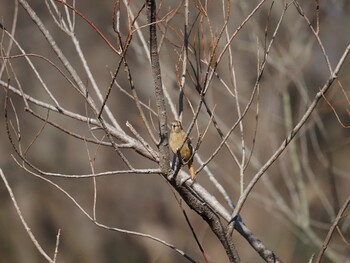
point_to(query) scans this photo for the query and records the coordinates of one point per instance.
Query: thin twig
(57, 244)
(331, 230)
(302, 13)
(6, 53)
(142, 141)
(241, 164)
(24, 223)
(36, 72)
(92, 167)
(38, 134)
(179, 202)
(91, 24)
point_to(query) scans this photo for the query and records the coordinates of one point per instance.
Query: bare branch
(331, 230)
(24, 223)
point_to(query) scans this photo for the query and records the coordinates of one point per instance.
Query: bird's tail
(191, 168)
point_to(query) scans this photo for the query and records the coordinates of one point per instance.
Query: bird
(176, 138)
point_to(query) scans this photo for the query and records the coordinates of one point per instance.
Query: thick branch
(219, 228)
(164, 155)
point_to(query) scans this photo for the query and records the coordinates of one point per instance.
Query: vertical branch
(236, 95)
(164, 156)
(184, 61)
(296, 163)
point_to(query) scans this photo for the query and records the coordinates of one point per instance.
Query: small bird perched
(177, 136)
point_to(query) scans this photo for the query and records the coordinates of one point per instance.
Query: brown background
(145, 203)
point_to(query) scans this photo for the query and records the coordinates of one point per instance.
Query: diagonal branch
(331, 230)
(27, 228)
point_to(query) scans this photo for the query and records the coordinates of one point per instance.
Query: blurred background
(291, 207)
